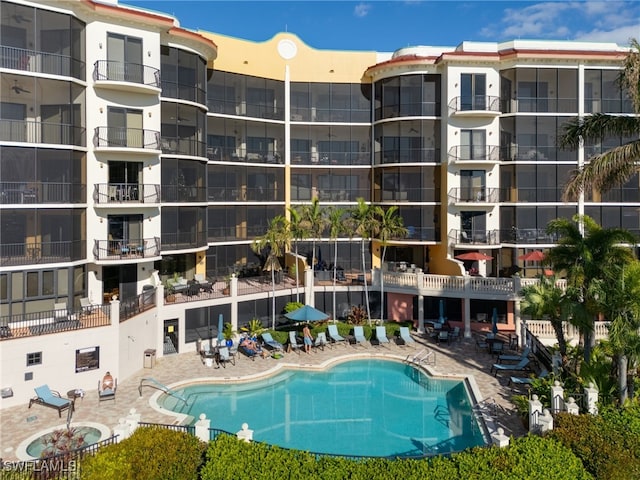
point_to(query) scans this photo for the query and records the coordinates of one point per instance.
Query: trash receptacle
(149, 358)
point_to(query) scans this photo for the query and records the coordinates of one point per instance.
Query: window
(34, 358)
(125, 127)
(124, 56)
(472, 146)
(473, 91)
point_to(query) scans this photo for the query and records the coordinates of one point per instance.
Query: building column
(421, 314)
(309, 297)
(466, 312)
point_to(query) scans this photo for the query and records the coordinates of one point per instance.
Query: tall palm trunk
(335, 266)
(366, 289)
(623, 366)
(297, 275)
(384, 252)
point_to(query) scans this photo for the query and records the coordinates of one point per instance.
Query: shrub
(150, 453)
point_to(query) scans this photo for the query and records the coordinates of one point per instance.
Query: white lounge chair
(358, 333)
(293, 342)
(405, 336)
(381, 336)
(334, 336)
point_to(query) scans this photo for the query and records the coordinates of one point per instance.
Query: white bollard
(557, 397)
(572, 407)
(133, 419)
(202, 428)
(245, 434)
(499, 439)
(535, 409)
(591, 393)
(122, 430)
(546, 421)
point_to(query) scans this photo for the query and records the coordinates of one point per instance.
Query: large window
(183, 75)
(407, 96)
(473, 91)
(602, 93)
(539, 90)
(124, 55)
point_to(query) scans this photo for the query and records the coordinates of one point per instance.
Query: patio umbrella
(306, 314)
(533, 256)
(220, 328)
(473, 256)
(494, 321)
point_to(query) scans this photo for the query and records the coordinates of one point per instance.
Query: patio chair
(514, 358)
(105, 394)
(482, 344)
(270, 343)
(321, 341)
(50, 398)
(443, 336)
(293, 342)
(60, 312)
(521, 366)
(334, 336)
(381, 336)
(454, 335)
(226, 357)
(516, 381)
(358, 334)
(406, 338)
(87, 306)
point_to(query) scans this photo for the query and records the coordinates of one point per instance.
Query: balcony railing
(536, 153)
(117, 193)
(180, 194)
(422, 234)
(183, 146)
(424, 109)
(478, 103)
(183, 91)
(121, 137)
(475, 237)
(473, 153)
(527, 235)
(37, 192)
(330, 158)
(30, 253)
(474, 195)
(425, 194)
(408, 155)
(242, 155)
(181, 241)
(126, 249)
(41, 132)
(116, 71)
(41, 62)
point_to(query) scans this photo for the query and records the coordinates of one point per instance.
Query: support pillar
(421, 314)
(466, 311)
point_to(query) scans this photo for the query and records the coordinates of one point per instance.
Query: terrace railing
(115, 71)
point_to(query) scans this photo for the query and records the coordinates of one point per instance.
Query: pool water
(363, 408)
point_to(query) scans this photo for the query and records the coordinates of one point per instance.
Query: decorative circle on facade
(287, 49)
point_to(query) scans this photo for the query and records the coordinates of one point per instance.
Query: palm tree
(391, 226)
(546, 299)
(275, 240)
(618, 164)
(298, 232)
(314, 221)
(364, 223)
(587, 258)
(335, 219)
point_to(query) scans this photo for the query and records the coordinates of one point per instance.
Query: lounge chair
(521, 366)
(527, 380)
(50, 398)
(321, 340)
(358, 334)
(406, 338)
(225, 356)
(270, 343)
(247, 352)
(381, 336)
(60, 312)
(293, 342)
(334, 336)
(514, 358)
(105, 394)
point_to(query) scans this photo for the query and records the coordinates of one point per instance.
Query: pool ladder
(424, 356)
(156, 384)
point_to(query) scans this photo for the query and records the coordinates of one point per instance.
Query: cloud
(619, 35)
(361, 10)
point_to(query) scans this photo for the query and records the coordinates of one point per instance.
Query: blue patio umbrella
(220, 328)
(441, 311)
(306, 314)
(494, 321)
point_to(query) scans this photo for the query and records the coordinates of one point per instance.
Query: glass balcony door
(473, 91)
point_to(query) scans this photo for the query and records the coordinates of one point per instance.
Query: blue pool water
(362, 407)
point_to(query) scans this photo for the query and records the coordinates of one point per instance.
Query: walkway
(459, 358)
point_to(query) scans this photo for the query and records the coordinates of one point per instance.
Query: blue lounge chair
(50, 398)
(105, 394)
(321, 341)
(270, 343)
(358, 333)
(381, 336)
(406, 337)
(521, 366)
(334, 336)
(514, 358)
(225, 356)
(293, 342)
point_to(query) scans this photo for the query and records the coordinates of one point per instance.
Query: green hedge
(151, 453)
(528, 458)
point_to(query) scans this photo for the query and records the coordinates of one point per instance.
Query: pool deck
(458, 358)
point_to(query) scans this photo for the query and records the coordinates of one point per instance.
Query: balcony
(126, 249)
(30, 253)
(27, 193)
(475, 106)
(473, 195)
(126, 194)
(41, 62)
(124, 76)
(184, 241)
(183, 146)
(30, 131)
(408, 155)
(464, 238)
(130, 140)
(472, 154)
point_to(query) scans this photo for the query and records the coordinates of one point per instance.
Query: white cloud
(620, 35)
(361, 10)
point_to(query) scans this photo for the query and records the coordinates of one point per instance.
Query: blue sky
(385, 26)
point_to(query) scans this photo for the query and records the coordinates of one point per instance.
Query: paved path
(460, 358)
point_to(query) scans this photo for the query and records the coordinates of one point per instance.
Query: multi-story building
(134, 151)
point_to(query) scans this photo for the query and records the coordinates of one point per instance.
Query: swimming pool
(360, 407)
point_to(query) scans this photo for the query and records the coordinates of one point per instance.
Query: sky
(385, 26)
